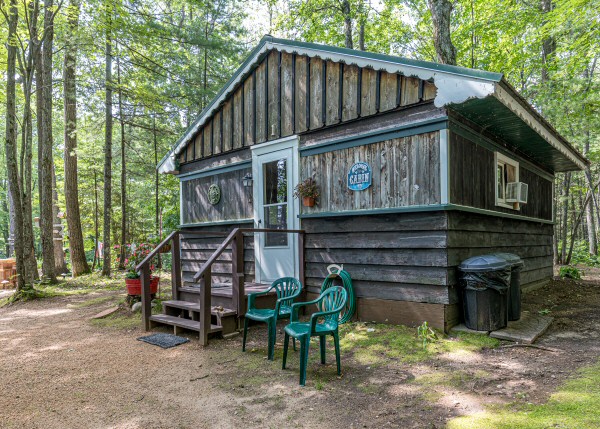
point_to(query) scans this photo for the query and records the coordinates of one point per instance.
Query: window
(507, 171)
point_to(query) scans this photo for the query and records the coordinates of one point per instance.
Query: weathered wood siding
(473, 181)
(405, 172)
(234, 203)
(289, 94)
(195, 251)
(471, 234)
(392, 257)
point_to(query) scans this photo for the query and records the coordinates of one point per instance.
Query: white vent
(516, 192)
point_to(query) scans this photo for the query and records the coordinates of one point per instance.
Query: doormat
(166, 341)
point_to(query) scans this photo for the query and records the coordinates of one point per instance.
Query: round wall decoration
(214, 194)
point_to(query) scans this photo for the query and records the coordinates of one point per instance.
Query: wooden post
(146, 301)
(175, 267)
(237, 271)
(301, 262)
(205, 305)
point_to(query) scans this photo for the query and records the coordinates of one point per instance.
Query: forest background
(97, 91)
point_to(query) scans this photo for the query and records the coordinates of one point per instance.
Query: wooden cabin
(451, 162)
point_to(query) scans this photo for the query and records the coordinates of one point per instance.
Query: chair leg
(294, 339)
(245, 333)
(272, 326)
(304, 345)
(286, 342)
(322, 347)
(336, 340)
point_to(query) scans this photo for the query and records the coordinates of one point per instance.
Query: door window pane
(275, 178)
(276, 218)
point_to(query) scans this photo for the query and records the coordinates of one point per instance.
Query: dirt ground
(58, 370)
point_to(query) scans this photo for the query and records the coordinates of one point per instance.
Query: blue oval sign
(359, 176)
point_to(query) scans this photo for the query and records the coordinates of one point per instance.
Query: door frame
(291, 142)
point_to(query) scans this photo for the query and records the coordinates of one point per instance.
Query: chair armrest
(315, 317)
(297, 305)
(252, 296)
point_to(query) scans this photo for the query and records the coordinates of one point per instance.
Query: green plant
(569, 272)
(307, 189)
(426, 334)
(134, 254)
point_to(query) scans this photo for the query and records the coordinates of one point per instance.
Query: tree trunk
(60, 265)
(12, 223)
(123, 172)
(12, 167)
(556, 225)
(79, 263)
(108, 144)
(565, 217)
(156, 183)
(44, 109)
(441, 11)
(347, 23)
(96, 234)
(548, 44)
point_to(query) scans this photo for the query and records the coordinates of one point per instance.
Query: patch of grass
(94, 301)
(373, 344)
(576, 405)
(119, 320)
(443, 378)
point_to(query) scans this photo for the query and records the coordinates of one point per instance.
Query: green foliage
(375, 344)
(581, 255)
(569, 272)
(307, 189)
(426, 334)
(575, 405)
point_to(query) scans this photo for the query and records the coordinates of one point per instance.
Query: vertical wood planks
(249, 111)
(405, 172)
(410, 91)
(349, 96)
(273, 129)
(388, 91)
(316, 93)
(261, 131)
(332, 94)
(198, 146)
(207, 130)
(227, 130)
(237, 119)
(368, 92)
(287, 88)
(300, 99)
(216, 133)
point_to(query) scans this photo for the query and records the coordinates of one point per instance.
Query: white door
(275, 169)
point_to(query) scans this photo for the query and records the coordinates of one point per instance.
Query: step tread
(182, 323)
(194, 306)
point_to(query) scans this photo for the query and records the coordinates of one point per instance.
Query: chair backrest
(333, 299)
(286, 287)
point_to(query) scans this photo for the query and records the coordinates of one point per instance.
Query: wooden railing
(204, 275)
(143, 268)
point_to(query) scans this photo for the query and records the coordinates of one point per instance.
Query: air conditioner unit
(516, 192)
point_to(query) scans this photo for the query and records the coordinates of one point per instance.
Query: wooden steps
(180, 322)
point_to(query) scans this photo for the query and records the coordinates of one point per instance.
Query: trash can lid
(511, 258)
(483, 263)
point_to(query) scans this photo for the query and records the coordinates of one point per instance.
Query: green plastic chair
(287, 289)
(330, 303)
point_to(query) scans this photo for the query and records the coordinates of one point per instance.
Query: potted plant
(308, 191)
(134, 254)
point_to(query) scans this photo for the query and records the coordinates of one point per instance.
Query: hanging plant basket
(308, 201)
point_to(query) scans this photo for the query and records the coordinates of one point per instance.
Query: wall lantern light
(247, 180)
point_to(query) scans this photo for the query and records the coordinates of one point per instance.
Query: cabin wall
(405, 172)
(290, 94)
(472, 234)
(235, 203)
(196, 249)
(472, 173)
(398, 263)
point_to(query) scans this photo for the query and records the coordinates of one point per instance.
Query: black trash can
(514, 291)
(485, 281)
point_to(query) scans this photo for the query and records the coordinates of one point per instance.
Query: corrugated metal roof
(483, 97)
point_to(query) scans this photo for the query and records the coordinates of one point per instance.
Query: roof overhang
(456, 87)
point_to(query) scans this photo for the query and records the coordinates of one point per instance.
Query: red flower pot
(134, 286)
(308, 201)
